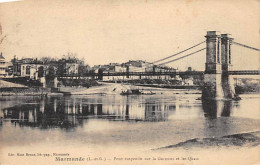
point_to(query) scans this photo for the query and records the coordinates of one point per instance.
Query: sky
(102, 31)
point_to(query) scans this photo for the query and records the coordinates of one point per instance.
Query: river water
(110, 122)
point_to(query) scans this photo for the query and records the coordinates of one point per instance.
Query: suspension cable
(178, 53)
(183, 56)
(138, 68)
(246, 46)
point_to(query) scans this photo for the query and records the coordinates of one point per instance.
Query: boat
(136, 92)
(236, 98)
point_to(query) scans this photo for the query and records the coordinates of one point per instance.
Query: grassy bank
(24, 91)
(81, 82)
(25, 86)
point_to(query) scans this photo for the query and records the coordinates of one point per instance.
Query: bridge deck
(245, 72)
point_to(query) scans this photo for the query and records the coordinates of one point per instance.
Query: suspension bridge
(218, 70)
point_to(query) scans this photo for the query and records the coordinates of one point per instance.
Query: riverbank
(241, 148)
(251, 139)
(103, 89)
(24, 87)
(117, 88)
(6, 84)
(9, 89)
(13, 89)
(171, 86)
(33, 91)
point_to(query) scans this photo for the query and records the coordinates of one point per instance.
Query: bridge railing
(247, 72)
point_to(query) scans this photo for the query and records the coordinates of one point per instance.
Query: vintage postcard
(123, 82)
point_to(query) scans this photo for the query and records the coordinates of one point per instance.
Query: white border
(2, 1)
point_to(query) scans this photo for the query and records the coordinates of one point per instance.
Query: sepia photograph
(130, 82)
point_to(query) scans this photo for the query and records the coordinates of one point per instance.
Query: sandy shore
(251, 139)
(242, 148)
(117, 88)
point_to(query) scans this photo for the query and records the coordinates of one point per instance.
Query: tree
(84, 70)
(71, 57)
(41, 72)
(51, 72)
(47, 60)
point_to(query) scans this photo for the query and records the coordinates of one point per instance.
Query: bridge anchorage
(218, 83)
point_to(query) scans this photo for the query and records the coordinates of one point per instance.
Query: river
(110, 123)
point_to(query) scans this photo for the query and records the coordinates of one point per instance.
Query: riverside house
(2, 66)
(68, 67)
(29, 67)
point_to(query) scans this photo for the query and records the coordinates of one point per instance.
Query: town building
(28, 67)
(68, 67)
(2, 66)
(110, 68)
(134, 66)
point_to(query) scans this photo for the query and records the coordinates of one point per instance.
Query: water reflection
(214, 108)
(69, 112)
(39, 115)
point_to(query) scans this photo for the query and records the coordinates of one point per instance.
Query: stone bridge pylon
(218, 84)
